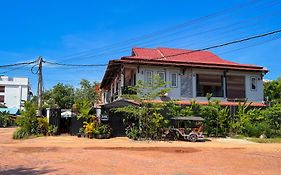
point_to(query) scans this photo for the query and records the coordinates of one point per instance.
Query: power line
(234, 50)
(75, 65)
(167, 30)
(183, 53)
(225, 44)
(17, 64)
(249, 22)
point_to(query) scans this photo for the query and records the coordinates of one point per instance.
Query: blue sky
(57, 29)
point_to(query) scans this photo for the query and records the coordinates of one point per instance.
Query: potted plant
(50, 130)
(103, 132)
(55, 130)
(89, 128)
(81, 132)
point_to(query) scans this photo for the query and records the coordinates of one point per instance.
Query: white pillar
(224, 86)
(48, 114)
(193, 84)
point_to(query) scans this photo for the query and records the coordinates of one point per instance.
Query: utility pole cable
(40, 86)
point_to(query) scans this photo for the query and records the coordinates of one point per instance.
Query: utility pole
(40, 86)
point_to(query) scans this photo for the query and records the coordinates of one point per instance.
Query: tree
(272, 91)
(148, 91)
(87, 91)
(145, 121)
(60, 95)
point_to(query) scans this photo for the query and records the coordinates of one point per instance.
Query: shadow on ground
(24, 171)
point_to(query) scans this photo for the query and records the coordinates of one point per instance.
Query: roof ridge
(162, 55)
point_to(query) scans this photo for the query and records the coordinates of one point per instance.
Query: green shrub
(133, 133)
(5, 119)
(21, 133)
(43, 125)
(55, 130)
(103, 129)
(273, 115)
(27, 121)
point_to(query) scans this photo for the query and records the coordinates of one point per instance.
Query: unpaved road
(72, 155)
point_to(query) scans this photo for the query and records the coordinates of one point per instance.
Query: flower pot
(107, 136)
(99, 136)
(90, 136)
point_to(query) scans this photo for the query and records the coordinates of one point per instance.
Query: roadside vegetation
(30, 125)
(6, 120)
(150, 120)
(92, 127)
(60, 96)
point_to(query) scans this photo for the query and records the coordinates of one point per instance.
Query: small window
(162, 76)
(174, 80)
(148, 77)
(2, 88)
(253, 83)
(2, 99)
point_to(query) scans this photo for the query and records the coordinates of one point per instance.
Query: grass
(258, 140)
(267, 140)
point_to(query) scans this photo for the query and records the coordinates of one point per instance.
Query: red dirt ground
(72, 155)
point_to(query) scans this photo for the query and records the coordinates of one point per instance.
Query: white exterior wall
(254, 95)
(16, 91)
(175, 93)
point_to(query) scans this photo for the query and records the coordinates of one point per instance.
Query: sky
(93, 32)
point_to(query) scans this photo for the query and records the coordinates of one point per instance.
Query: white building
(14, 91)
(190, 74)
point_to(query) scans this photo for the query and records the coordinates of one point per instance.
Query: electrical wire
(184, 53)
(167, 30)
(75, 65)
(237, 26)
(17, 64)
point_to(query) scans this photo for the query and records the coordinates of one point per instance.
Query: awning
(11, 111)
(118, 103)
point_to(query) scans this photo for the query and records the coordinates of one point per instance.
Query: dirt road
(72, 155)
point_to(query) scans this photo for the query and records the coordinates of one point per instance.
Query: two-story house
(191, 75)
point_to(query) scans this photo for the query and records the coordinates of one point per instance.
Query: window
(2, 88)
(253, 83)
(2, 98)
(148, 77)
(174, 80)
(235, 86)
(162, 76)
(209, 84)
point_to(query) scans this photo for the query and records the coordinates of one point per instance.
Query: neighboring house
(191, 75)
(14, 91)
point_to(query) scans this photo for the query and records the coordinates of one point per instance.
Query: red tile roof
(175, 57)
(183, 56)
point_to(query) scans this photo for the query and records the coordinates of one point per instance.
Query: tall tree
(60, 95)
(272, 91)
(87, 91)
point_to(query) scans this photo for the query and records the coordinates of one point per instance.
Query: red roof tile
(182, 56)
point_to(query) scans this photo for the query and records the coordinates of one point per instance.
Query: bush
(27, 122)
(103, 129)
(273, 114)
(133, 133)
(21, 133)
(5, 120)
(256, 130)
(43, 125)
